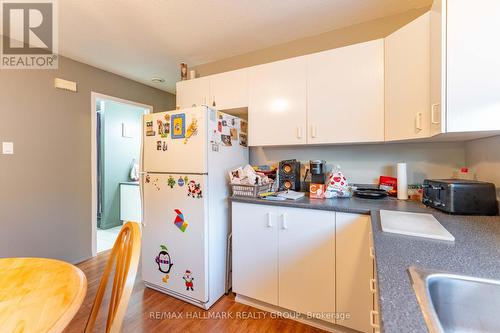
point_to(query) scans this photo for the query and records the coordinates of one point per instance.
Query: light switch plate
(8, 148)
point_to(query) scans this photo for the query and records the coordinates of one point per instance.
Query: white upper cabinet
(277, 103)
(465, 66)
(345, 94)
(438, 68)
(193, 92)
(473, 65)
(407, 81)
(229, 90)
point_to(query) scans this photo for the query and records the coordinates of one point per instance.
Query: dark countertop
(475, 252)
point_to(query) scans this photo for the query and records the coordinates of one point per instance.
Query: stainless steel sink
(455, 303)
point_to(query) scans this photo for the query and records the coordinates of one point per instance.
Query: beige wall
(483, 159)
(365, 163)
(337, 38)
(45, 187)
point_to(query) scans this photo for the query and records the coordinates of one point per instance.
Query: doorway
(116, 158)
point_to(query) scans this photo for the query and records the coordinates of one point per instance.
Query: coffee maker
(318, 172)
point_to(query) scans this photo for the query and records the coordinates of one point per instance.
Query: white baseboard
(284, 313)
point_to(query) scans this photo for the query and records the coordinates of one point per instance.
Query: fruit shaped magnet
(171, 181)
(163, 260)
(179, 221)
(188, 280)
(194, 190)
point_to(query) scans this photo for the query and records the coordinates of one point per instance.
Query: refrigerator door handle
(141, 192)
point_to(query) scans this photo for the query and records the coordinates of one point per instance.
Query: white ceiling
(140, 39)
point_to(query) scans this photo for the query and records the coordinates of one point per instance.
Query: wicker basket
(252, 191)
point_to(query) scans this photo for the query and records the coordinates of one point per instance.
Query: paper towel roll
(402, 182)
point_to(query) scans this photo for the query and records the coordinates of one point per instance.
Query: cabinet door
(345, 94)
(473, 66)
(354, 270)
(407, 81)
(438, 67)
(277, 103)
(307, 261)
(193, 92)
(255, 251)
(229, 90)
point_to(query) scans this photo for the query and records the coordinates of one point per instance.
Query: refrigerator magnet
(158, 145)
(234, 134)
(149, 128)
(243, 126)
(164, 146)
(165, 129)
(163, 260)
(243, 140)
(226, 140)
(188, 280)
(180, 181)
(192, 130)
(160, 128)
(194, 190)
(153, 182)
(178, 126)
(171, 181)
(179, 221)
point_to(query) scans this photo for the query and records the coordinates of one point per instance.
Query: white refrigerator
(186, 157)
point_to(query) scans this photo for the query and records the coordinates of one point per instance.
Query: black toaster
(459, 196)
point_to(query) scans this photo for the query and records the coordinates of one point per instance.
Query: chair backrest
(125, 258)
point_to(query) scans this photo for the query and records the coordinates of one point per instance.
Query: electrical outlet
(7, 148)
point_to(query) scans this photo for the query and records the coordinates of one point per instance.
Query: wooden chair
(125, 257)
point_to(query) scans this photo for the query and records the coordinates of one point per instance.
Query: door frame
(94, 97)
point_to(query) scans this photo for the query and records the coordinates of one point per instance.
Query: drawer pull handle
(373, 322)
(434, 109)
(269, 221)
(299, 132)
(373, 287)
(284, 225)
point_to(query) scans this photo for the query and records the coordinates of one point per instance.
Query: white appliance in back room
(186, 158)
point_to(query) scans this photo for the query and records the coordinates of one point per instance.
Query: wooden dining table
(39, 295)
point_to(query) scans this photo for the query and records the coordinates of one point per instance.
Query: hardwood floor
(152, 311)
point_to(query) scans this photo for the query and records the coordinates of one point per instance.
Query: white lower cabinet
(255, 252)
(354, 271)
(285, 257)
(310, 261)
(306, 251)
